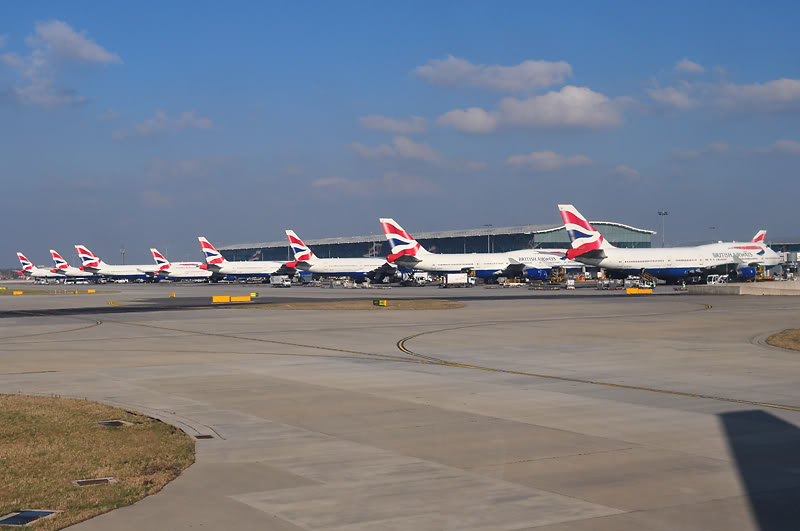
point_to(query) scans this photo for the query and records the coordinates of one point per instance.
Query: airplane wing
(285, 269)
(385, 270)
(514, 269)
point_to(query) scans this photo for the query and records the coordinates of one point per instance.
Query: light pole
(713, 237)
(662, 214)
(488, 244)
(122, 252)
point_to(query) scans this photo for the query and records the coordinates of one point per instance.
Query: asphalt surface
(556, 411)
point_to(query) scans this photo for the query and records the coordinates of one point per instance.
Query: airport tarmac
(521, 410)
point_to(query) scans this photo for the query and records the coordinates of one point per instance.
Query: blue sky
(149, 124)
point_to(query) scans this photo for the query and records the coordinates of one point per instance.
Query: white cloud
(53, 43)
(57, 38)
(778, 95)
(528, 75)
(402, 147)
(109, 114)
(547, 161)
(673, 97)
(390, 182)
(712, 148)
(571, 107)
(414, 124)
(472, 120)
(689, 67)
(578, 107)
(630, 175)
(717, 147)
(161, 123)
(376, 152)
(408, 149)
(782, 146)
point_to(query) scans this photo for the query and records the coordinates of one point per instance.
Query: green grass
(47, 442)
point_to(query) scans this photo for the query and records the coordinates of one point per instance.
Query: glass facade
(618, 235)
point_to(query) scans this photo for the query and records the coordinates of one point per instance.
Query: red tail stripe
(569, 217)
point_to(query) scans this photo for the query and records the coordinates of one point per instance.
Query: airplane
(63, 267)
(179, 270)
(359, 269)
(31, 271)
(217, 264)
(92, 263)
(533, 263)
(671, 264)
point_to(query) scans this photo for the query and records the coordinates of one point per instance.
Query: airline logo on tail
(403, 244)
(213, 257)
(757, 239)
(760, 236)
(302, 253)
(27, 265)
(582, 234)
(61, 264)
(160, 259)
(88, 259)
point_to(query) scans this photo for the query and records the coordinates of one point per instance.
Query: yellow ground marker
(91, 291)
(17, 292)
(379, 302)
(254, 294)
(220, 298)
(172, 295)
(638, 291)
(243, 298)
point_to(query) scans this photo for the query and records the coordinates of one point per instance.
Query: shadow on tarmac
(766, 450)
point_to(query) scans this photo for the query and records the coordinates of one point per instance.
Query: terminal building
(481, 240)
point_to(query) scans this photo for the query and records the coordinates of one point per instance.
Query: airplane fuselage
(488, 265)
(678, 262)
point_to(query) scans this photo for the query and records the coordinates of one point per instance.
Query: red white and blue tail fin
(760, 236)
(302, 253)
(88, 258)
(582, 234)
(61, 264)
(213, 257)
(160, 259)
(403, 244)
(27, 265)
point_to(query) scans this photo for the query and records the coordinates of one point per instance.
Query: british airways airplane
(535, 264)
(358, 269)
(31, 271)
(92, 263)
(216, 263)
(63, 267)
(670, 264)
(179, 270)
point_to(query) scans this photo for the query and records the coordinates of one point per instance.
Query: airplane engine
(745, 273)
(538, 274)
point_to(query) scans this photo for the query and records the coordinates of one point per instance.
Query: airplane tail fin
(403, 244)
(61, 264)
(302, 253)
(760, 236)
(582, 234)
(213, 257)
(160, 260)
(88, 258)
(27, 265)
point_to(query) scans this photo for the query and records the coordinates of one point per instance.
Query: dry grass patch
(392, 304)
(47, 442)
(787, 339)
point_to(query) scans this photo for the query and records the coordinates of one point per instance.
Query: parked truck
(280, 281)
(452, 280)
